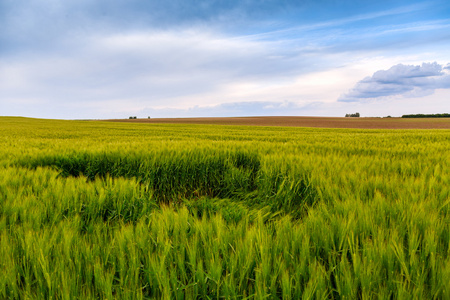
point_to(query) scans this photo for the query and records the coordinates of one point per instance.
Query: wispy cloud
(295, 31)
(404, 80)
(141, 69)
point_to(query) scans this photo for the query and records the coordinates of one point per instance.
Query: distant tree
(132, 117)
(352, 115)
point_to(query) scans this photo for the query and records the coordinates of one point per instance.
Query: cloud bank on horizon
(181, 58)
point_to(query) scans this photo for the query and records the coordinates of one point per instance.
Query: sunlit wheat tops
(142, 211)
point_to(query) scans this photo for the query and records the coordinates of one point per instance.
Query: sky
(86, 59)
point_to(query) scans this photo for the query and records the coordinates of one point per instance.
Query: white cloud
(154, 69)
(404, 80)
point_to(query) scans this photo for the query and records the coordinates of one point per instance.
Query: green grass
(143, 211)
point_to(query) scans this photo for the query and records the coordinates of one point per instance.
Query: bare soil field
(323, 122)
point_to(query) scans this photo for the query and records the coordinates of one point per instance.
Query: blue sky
(80, 59)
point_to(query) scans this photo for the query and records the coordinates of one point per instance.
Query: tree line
(445, 115)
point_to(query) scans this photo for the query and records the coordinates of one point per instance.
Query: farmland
(320, 122)
(107, 210)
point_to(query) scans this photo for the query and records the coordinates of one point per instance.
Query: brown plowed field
(324, 122)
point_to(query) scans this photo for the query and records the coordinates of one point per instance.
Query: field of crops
(135, 211)
(319, 122)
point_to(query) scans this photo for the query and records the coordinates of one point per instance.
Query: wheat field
(103, 210)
